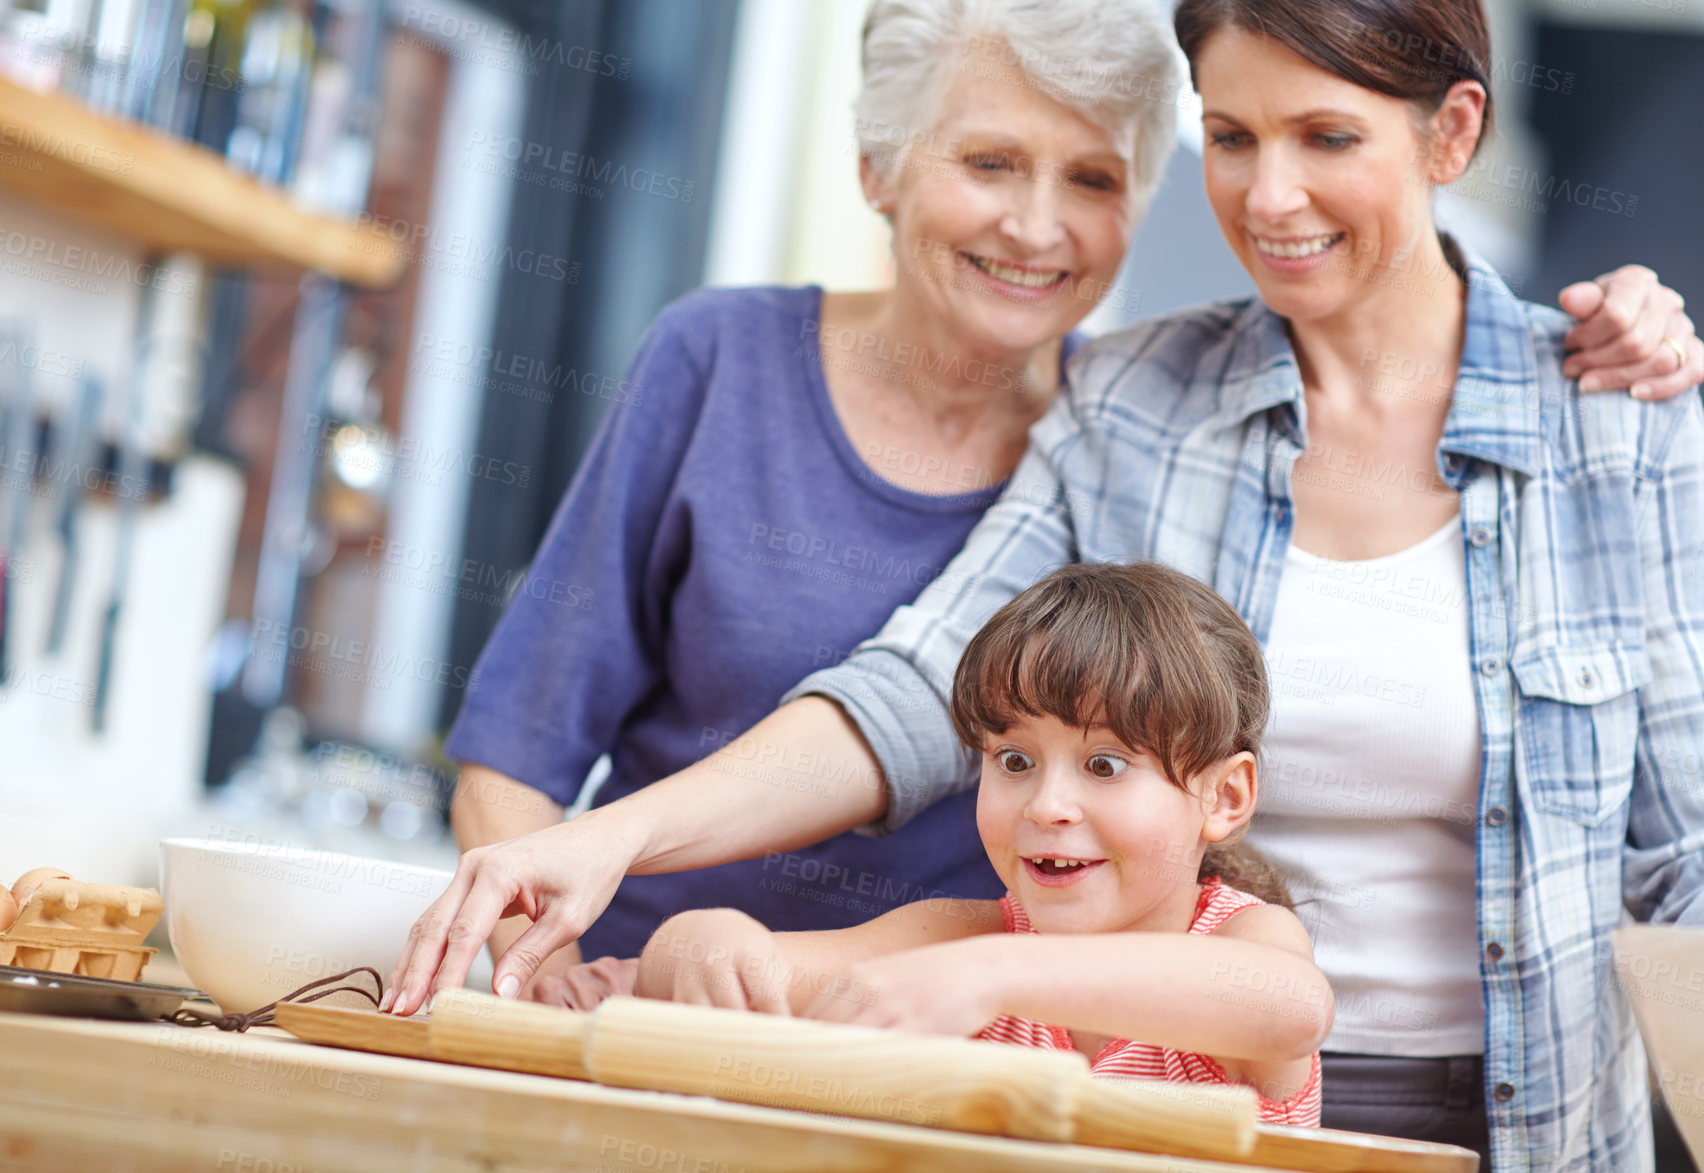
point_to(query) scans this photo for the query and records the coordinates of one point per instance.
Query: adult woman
(1571, 627)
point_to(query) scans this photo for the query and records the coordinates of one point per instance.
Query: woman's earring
(876, 206)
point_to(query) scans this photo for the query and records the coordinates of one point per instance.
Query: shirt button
(1494, 951)
(1452, 463)
(1480, 536)
(1587, 678)
(1490, 665)
(1505, 1092)
(1496, 816)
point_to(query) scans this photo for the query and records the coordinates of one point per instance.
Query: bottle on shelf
(277, 69)
(214, 35)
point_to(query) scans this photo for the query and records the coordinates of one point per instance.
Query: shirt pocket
(1577, 727)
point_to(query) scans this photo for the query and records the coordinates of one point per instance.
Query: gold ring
(1679, 352)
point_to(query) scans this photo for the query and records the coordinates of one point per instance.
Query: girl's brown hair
(1143, 650)
(1410, 49)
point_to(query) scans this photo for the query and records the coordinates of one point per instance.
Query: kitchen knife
(17, 479)
(132, 488)
(130, 492)
(72, 456)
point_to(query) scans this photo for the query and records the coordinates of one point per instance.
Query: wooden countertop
(81, 1094)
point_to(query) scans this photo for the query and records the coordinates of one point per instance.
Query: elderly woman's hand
(1633, 332)
(562, 878)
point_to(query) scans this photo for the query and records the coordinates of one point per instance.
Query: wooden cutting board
(663, 1047)
(357, 1030)
(1327, 1150)
(160, 1098)
(504, 1043)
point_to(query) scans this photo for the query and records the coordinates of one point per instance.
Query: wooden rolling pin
(486, 1031)
(477, 1029)
(959, 1084)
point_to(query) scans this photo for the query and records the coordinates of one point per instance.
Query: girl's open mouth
(1059, 871)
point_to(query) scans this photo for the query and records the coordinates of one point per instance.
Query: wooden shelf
(168, 195)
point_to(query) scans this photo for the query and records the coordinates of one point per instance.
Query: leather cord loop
(264, 1016)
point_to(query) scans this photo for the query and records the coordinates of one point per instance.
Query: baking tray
(39, 991)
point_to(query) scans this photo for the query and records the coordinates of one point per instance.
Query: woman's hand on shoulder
(715, 957)
(1632, 332)
(946, 989)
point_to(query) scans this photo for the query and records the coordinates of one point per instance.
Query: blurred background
(309, 309)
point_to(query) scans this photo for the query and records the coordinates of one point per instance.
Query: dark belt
(1440, 1100)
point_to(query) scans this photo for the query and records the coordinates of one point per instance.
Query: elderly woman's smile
(1023, 276)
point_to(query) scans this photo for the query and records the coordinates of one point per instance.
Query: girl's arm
(722, 957)
(1248, 995)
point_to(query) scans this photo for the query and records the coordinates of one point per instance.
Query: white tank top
(1369, 792)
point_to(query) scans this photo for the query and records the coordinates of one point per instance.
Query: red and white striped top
(1126, 1059)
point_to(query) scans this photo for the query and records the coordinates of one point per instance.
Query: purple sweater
(722, 540)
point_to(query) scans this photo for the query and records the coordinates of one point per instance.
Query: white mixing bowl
(250, 921)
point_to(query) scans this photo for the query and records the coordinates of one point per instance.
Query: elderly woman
(797, 465)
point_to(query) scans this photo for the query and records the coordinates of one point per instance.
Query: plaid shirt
(1582, 519)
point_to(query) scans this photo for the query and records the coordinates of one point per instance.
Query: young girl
(1118, 711)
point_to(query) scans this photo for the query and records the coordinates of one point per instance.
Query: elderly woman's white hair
(1115, 60)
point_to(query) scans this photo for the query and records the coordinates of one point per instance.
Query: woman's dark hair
(1410, 49)
(1143, 650)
